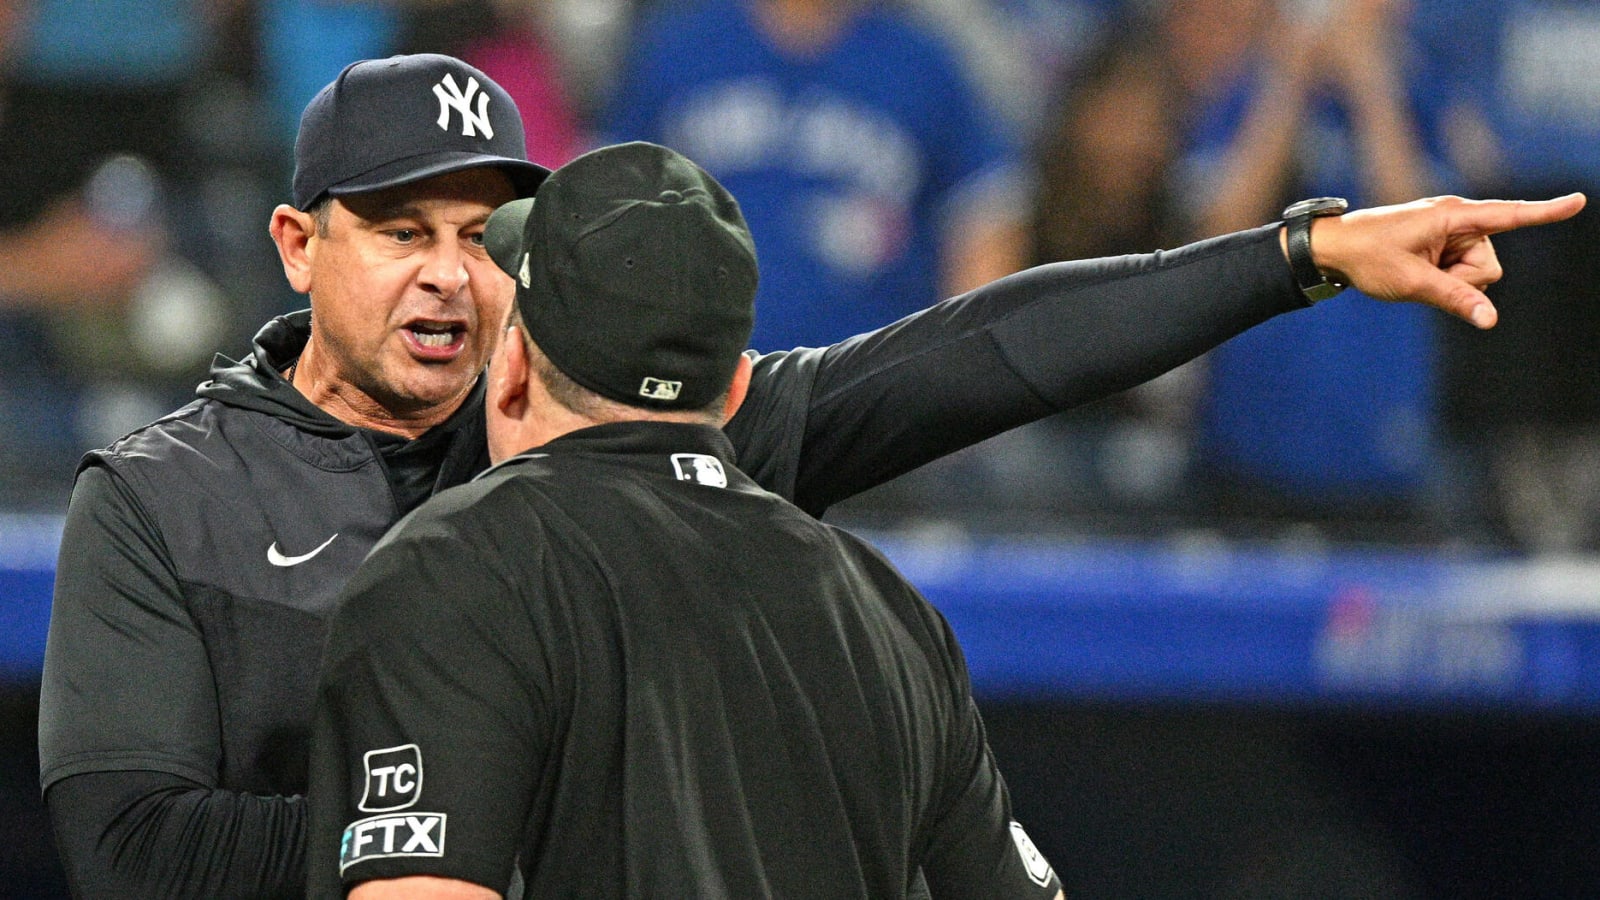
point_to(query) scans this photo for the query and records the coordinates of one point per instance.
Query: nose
(444, 269)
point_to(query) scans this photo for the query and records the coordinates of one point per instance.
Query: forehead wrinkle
(377, 208)
(383, 206)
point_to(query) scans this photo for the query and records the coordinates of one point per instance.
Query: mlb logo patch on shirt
(394, 778)
(700, 469)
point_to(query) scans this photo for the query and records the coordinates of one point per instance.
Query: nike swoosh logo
(278, 559)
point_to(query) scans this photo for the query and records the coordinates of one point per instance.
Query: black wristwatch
(1315, 285)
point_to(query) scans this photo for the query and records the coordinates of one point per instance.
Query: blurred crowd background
(889, 154)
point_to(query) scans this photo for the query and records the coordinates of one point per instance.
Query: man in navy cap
(202, 554)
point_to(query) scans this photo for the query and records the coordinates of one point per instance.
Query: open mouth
(435, 340)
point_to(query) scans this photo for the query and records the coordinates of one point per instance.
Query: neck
(549, 420)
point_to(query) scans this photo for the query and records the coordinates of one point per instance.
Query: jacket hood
(255, 382)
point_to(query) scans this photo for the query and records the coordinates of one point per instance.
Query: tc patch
(1038, 867)
(700, 469)
(386, 837)
(394, 778)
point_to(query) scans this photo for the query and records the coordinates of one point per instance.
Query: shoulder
(483, 540)
(471, 522)
(872, 560)
(162, 437)
(781, 377)
(914, 610)
(213, 440)
(768, 429)
(205, 427)
(176, 443)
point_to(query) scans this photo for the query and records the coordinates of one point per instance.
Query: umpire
(613, 661)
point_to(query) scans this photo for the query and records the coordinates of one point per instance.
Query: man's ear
(292, 231)
(508, 376)
(738, 389)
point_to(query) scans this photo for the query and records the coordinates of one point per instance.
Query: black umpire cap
(388, 122)
(636, 275)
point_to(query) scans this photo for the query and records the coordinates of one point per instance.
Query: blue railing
(1207, 620)
(1181, 620)
(27, 571)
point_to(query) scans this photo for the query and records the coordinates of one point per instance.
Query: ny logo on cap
(452, 97)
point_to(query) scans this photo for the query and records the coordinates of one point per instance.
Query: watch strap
(1312, 282)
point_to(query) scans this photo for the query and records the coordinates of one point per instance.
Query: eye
(476, 239)
(404, 235)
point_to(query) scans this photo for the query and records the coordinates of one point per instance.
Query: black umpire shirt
(621, 662)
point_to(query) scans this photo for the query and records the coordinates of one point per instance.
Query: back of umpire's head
(636, 276)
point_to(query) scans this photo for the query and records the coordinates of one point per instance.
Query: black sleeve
(971, 847)
(416, 681)
(126, 682)
(128, 719)
(823, 425)
(149, 834)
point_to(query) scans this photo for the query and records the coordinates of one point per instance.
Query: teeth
(434, 340)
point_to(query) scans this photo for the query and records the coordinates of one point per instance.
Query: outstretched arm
(821, 425)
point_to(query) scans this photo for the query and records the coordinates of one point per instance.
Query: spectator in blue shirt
(1333, 414)
(874, 178)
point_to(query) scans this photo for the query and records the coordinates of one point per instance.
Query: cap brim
(525, 176)
(502, 234)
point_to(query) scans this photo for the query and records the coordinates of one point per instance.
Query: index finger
(1495, 216)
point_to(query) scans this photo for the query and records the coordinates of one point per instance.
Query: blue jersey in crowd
(845, 160)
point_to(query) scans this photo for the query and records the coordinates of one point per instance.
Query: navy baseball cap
(388, 122)
(636, 275)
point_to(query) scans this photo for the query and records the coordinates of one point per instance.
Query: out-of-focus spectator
(304, 45)
(66, 267)
(1105, 157)
(103, 318)
(1518, 83)
(1026, 50)
(1332, 415)
(874, 178)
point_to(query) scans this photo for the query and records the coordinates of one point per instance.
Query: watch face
(1317, 206)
